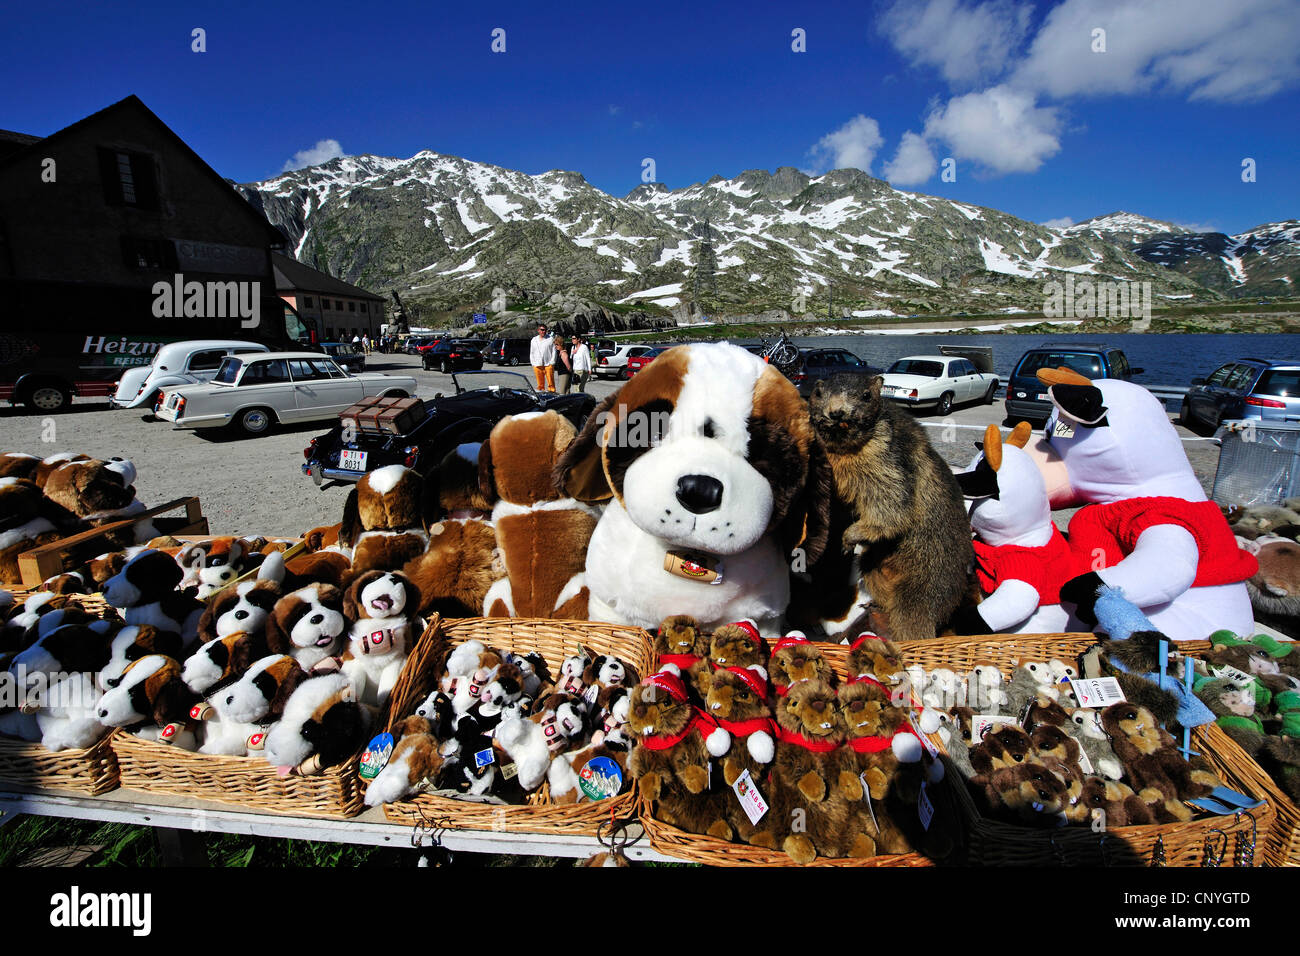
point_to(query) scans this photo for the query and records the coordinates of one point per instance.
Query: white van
(177, 363)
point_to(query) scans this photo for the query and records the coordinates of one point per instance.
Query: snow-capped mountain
(1261, 261)
(1124, 228)
(448, 231)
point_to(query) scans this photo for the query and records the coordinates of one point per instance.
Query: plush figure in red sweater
(1021, 558)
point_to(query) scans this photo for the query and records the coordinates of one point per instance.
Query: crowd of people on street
(559, 365)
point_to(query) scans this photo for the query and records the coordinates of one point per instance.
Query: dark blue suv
(1027, 398)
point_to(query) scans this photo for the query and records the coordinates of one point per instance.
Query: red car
(637, 362)
(427, 346)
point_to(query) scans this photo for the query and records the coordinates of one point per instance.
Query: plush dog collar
(807, 743)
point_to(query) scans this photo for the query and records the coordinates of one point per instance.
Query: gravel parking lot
(256, 486)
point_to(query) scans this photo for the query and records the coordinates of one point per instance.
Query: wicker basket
(995, 843)
(554, 640)
(92, 770)
(251, 782)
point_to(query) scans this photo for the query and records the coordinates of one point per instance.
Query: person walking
(563, 366)
(541, 353)
(581, 360)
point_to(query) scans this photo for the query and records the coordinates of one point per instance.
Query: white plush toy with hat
(1147, 527)
(1021, 557)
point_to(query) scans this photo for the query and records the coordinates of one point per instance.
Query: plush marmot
(796, 659)
(681, 643)
(1152, 763)
(737, 700)
(542, 533)
(873, 658)
(671, 758)
(1114, 804)
(738, 645)
(873, 727)
(1028, 793)
(956, 732)
(383, 520)
(815, 773)
(1004, 745)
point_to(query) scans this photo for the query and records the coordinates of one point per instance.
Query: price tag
(751, 800)
(483, 758)
(1062, 429)
(1228, 672)
(980, 724)
(924, 808)
(866, 795)
(1097, 692)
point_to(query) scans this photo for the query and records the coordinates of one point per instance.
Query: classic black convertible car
(482, 399)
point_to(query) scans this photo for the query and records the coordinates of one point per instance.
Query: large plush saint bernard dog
(712, 467)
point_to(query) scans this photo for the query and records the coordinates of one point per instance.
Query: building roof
(16, 146)
(290, 275)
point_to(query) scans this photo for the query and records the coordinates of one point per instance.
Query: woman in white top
(581, 358)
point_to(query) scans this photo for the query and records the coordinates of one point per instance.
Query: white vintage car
(253, 392)
(938, 380)
(176, 363)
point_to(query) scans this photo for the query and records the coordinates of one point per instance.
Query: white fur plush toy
(382, 606)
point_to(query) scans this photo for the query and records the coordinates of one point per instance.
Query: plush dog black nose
(699, 493)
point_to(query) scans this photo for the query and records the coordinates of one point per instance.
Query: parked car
(1026, 397)
(817, 364)
(635, 363)
(1248, 388)
(512, 352)
(938, 380)
(251, 393)
(452, 355)
(481, 400)
(614, 365)
(418, 343)
(346, 355)
(177, 363)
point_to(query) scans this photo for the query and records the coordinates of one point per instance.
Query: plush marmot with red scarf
(738, 645)
(682, 643)
(878, 659)
(877, 732)
(672, 759)
(737, 700)
(796, 659)
(815, 774)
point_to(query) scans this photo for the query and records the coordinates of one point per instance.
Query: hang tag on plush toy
(1097, 692)
(1062, 429)
(376, 756)
(980, 724)
(866, 795)
(1240, 677)
(510, 771)
(750, 797)
(924, 738)
(483, 758)
(924, 808)
(694, 566)
(601, 777)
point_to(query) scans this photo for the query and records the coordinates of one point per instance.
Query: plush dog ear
(243, 653)
(352, 596)
(580, 471)
(208, 620)
(487, 482)
(173, 700)
(350, 527)
(287, 686)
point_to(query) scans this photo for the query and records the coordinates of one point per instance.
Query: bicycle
(782, 353)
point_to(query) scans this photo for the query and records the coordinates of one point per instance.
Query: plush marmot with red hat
(876, 734)
(681, 643)
(796, 659)
(672, 758)
(383, 520)
(737, 700)
(738, 644)
(814, 779)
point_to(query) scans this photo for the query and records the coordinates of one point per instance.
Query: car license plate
(1042, 397)
(889, 389)
(352, 460)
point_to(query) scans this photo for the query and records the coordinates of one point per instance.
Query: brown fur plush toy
(908, 514)
(681, 643)
(24, 518)
(1118, 805)
(737, 700)
(796, 659)
(462, 561)
(89, 493)
(738, 645)
(877, 659)
(816, 792)
(1029, 793)
(543, 536)
(1003, 746)
(383, 520)
(671, 757)
(872, 724)
(1156, 770)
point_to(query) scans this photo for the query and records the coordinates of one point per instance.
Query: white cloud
(1060, 222)
(1239, 50)
(969, 42)
(853, 145)
(914, 162)
(1000, 128)
(322, 152)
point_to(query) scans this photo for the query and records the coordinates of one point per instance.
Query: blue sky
(1037, 122)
